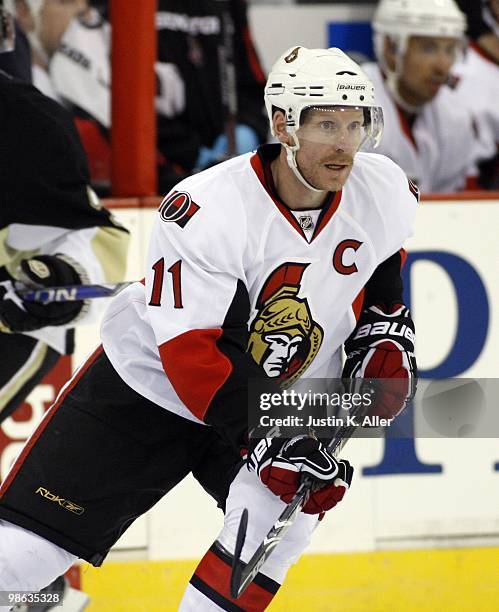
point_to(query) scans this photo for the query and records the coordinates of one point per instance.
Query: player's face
(282, 349)
(426, 67)
(329, 139)
(55, 17)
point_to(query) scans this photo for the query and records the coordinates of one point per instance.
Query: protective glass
(355, 126)
(7, 30)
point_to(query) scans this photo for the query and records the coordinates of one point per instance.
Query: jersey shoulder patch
(178, 207)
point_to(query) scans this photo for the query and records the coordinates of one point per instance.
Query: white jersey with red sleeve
(437, 151)
(478, 91)
(237, 285)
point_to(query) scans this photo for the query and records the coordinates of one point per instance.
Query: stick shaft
(71, 293)
(287, 517)
(228, 78)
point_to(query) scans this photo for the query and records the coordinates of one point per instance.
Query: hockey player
(479, 72)
(53, 231)
(427, 131)
(264, 264)
(44, 23)
(193, 38)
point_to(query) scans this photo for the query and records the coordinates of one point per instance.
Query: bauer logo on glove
(382, 347)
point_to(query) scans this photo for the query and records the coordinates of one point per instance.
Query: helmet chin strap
(36, 7)
(291, 151)
(38, 47)
(392, 84)
(393, 76)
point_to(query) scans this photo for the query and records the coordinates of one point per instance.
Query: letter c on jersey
(338, 264)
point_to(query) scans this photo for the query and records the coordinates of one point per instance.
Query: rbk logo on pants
(64, 503)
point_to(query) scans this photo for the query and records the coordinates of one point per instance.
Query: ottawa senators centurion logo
(284, 339)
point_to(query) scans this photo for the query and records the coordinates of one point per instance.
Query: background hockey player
(427, 131)
(263, 249)
(72, 42)
(53, 231)
(478, 87)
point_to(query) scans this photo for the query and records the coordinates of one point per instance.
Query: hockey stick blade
(71, 293)
(245, 576)
(235, 578)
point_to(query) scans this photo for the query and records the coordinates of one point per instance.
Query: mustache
(342, 161)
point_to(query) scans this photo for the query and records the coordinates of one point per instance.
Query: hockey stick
(243, 575)
(228, 78)
(71, 293)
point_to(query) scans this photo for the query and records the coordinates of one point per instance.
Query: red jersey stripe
(196, 367)
(403, 258)
(264, 175)
(483, 53)
(406, 128)
(358, 303)
(471, 183)
(216, 573)
(332, 208)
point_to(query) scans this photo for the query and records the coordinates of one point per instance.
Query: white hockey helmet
(304, 78)
(7, 29)
(401, 19)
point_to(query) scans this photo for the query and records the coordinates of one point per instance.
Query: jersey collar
(483, 53)
(260, 162)
(406, 124)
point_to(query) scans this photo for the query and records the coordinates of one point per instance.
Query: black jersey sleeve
(385, 286)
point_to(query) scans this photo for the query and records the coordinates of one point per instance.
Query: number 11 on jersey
(157, 285)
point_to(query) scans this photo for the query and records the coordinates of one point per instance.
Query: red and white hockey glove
(382, 346)
(280, 463)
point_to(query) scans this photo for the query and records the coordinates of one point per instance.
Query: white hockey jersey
(232, 281)
(478, 90)
(80, 69)
(437, 153)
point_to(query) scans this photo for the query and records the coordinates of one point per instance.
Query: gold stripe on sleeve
(110, 246)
